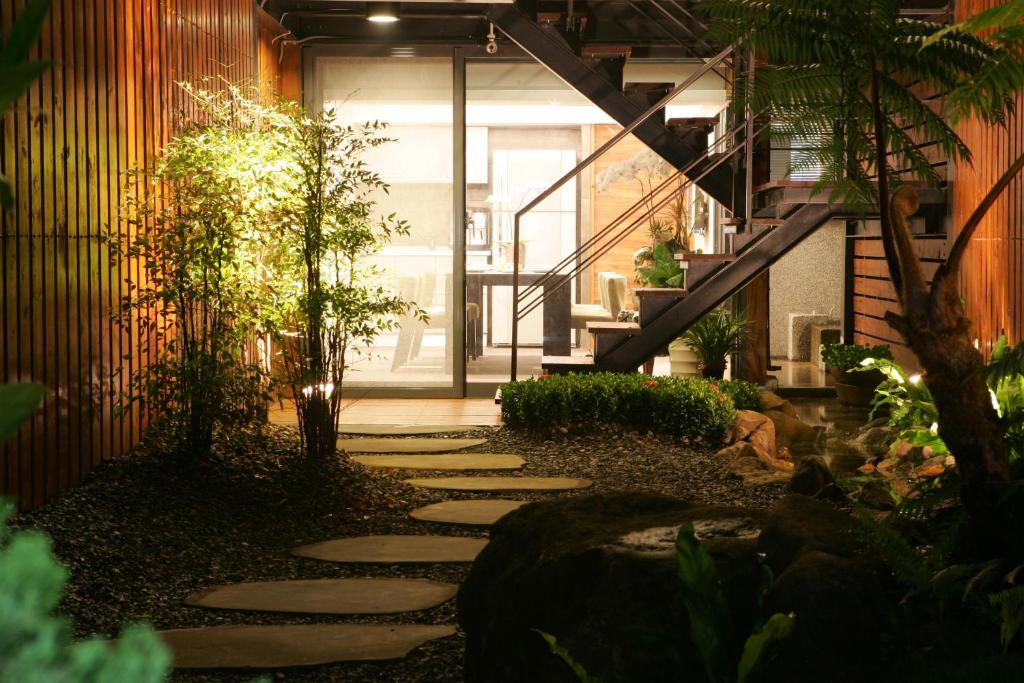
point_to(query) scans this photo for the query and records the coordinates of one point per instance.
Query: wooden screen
(992, 274)
(109, 101)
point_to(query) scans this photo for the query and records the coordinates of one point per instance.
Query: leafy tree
(329, 302)
(199, 216)
(859, 79)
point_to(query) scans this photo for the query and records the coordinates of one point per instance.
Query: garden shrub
(850, 356)
(36, 644)
(742, 393)
(679, 406)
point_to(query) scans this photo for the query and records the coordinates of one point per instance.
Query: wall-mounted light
(382, 12)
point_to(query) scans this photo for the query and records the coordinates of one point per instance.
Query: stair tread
(567, 360)
(612, 327)
(766, 220)
(660, 291)
(706, 257)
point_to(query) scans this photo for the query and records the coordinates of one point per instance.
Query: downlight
(382, 12)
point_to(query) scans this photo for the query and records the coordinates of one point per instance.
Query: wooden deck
(407, 411)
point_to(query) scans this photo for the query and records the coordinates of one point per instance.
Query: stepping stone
(413, 445)
(395, 430)
(327, 596)
(449, 461)
(272, 647)
(476, 512)
(500, 483)
(394, 549)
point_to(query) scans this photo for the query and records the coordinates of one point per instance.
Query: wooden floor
(407, 411)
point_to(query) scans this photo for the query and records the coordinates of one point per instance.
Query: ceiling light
(382, 12)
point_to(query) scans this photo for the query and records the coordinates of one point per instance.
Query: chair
(410, 335)
(612, 289)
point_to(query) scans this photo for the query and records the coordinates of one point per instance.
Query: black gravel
(143, 532)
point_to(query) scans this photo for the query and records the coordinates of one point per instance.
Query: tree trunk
(937, 330)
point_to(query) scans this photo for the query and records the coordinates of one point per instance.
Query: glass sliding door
(414, 97)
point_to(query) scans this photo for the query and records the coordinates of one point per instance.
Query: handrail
(591, 258)
(705, 68)
(640, 203)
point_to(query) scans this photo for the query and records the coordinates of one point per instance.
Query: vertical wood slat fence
(992, 273)
(108, 102)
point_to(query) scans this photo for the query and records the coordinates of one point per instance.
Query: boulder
(876, 495)
(844, 456)
(874, 442)
(758, 430)
(812, 477)
(598, 573)
(794, 434)
(769, 400)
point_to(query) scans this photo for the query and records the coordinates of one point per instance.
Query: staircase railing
(517, 300)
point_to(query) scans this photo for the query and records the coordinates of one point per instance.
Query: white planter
(682, 360)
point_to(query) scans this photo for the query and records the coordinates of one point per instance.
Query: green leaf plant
(197, 225)
(329, 300)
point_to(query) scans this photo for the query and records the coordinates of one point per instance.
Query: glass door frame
(310, 88)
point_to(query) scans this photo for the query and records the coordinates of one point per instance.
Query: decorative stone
(414, 445)
(500, 483)
(395, 549)
(476, 512)
(449, 461)
(327, 596)
(396, 430)
(272, 647)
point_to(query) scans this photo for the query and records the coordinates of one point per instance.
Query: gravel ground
(143, 532)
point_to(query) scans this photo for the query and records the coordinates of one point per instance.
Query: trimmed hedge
(678, 406)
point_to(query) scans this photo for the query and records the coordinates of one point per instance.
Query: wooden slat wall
(992, 274)
(108, 102)
(873, 293)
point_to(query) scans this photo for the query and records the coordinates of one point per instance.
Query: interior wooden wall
(108, 102)
(608, 204)
(992, 275)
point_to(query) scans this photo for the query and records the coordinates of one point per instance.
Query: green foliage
(850, 356)
(17, 403)
(200, 217)
(743, 393)
(910, 404)
(714, 337)
(1004, 375)
(327, 300)
(825, 65)
(36, 645)
(565, 656)
(1011, 612)
(711, 623)
(664, 270)
(678, 406)
(17, 71)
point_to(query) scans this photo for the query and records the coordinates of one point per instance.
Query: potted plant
(854, 385)
(713, 338)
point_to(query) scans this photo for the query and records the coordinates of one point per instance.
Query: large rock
(812, 477)
(599, 573)
(769, 400)
(793, 433)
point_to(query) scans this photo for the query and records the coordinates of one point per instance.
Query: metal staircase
(763, 237)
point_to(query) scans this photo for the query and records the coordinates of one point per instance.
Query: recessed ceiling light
(382, 12)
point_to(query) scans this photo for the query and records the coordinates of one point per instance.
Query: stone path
(254, 646)
(327, 596)
(410, 445)
(500, 483)
(395, 549)
(443, 461)
(470, 512)
(267, 647)
(400, 430)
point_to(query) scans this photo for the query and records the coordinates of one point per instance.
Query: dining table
(556, 306)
